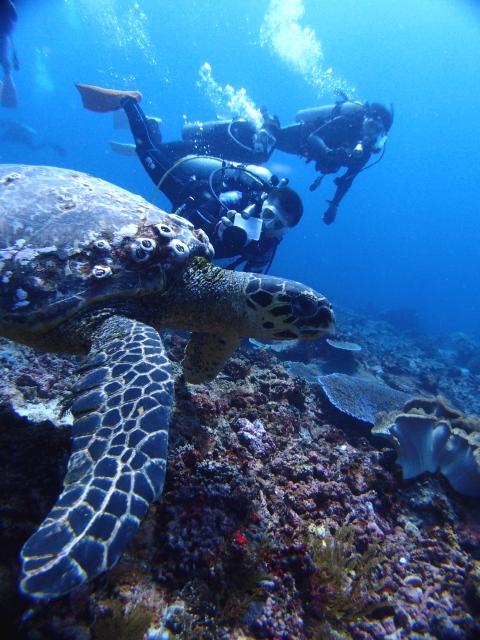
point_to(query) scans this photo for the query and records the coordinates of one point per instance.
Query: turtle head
(289, 310)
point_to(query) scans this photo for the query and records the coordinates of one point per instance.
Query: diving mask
(379, 143)
(374, 134)
(274, 222)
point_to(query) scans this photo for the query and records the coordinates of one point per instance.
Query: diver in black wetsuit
(244, 210)
(8, 56)
(345, 134)
(238, 139)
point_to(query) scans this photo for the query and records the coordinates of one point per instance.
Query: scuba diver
(20, 133)
(239, 139)
(244, 209)
(8, 56)
(344, 134)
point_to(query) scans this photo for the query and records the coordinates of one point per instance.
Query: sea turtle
(88, 268)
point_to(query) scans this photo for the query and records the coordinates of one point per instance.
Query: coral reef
(281, 518)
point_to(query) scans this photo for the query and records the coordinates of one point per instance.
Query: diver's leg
(57, 148)
(5, 54)
(155, 163)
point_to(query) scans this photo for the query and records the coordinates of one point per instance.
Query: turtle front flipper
(206, 354)
(118, 462)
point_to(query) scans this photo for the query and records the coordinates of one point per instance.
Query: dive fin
(104, 100)
(120, 121)
(123, 149)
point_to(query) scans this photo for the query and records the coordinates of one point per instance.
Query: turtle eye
(304, 306)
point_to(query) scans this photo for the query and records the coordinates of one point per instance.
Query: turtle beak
(315, 316)
(309, 331)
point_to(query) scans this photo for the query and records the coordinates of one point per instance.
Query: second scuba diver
(344, 134)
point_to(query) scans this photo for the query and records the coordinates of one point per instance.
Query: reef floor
(281, 518)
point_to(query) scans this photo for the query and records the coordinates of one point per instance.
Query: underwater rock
(254, 436)
(360, 398)
(465, 347)
(235, 532)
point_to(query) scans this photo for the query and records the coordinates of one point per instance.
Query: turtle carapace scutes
(88, 268)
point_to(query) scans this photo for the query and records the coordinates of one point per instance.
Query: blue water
(408, 232)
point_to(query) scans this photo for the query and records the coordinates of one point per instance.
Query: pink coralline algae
(254, 437)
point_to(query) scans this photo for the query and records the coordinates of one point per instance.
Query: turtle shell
(69, 241)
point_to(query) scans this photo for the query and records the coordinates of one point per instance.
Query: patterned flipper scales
(206, 354)
(117, 468)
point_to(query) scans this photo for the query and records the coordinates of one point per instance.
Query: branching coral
(344, 581)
